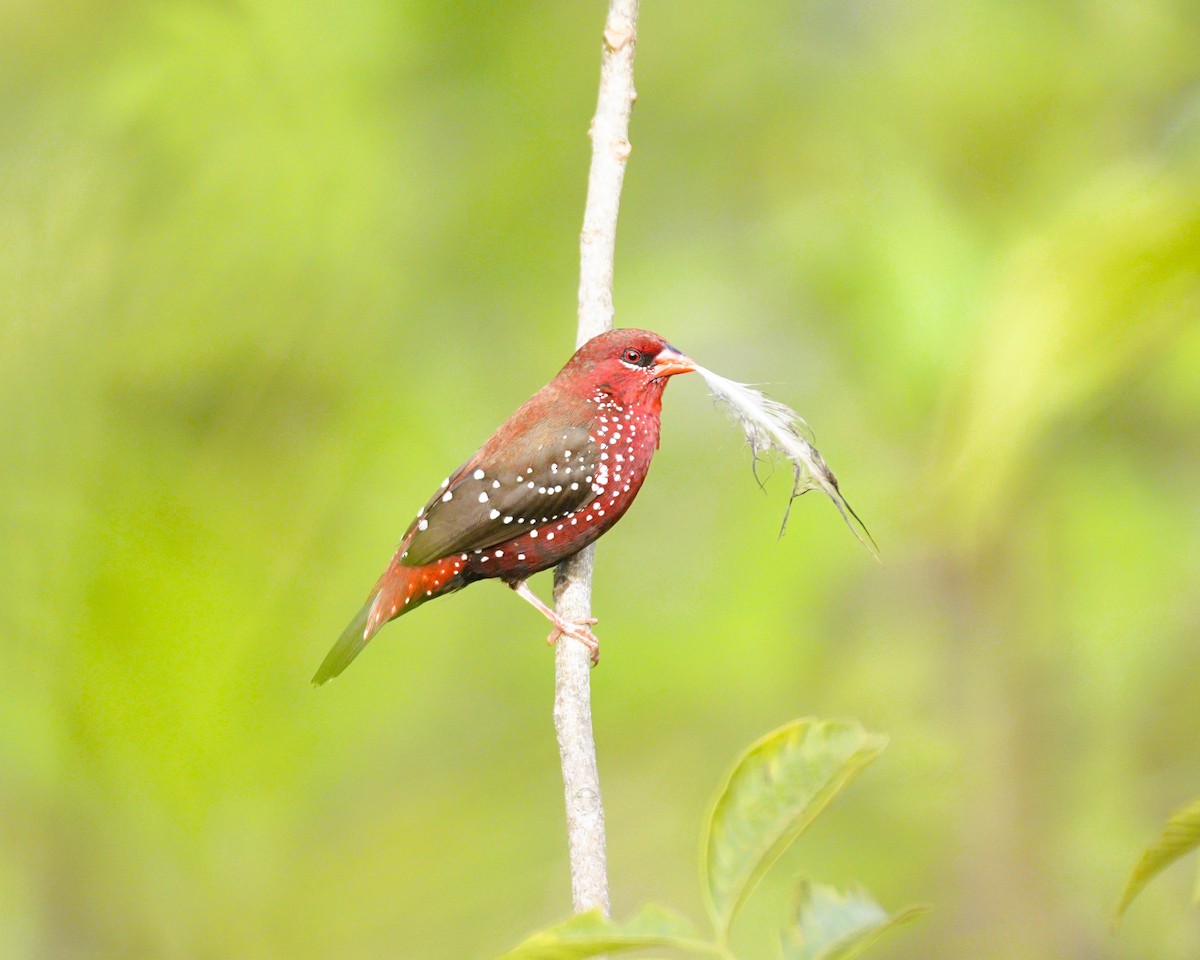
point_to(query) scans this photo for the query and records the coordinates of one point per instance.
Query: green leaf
(1196, 886)
(830, 925)
(591, 934)
(1180, 835)
(774, 792)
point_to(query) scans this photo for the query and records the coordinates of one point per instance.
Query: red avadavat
(559, 473)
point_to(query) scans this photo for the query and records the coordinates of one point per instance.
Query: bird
(552, 479)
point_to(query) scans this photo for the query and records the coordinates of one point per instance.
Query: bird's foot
(579, 630)
(562, 626)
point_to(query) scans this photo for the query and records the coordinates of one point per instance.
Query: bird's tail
(349, 645)
(398, 591)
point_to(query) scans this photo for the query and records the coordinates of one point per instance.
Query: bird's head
(631, 366)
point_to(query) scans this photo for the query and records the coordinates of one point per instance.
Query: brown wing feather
(491, 498)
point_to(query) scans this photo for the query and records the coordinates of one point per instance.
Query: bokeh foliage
(269, 269)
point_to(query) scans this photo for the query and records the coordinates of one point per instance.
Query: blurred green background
(271, 268)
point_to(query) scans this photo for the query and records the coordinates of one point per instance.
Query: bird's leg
(572, 628)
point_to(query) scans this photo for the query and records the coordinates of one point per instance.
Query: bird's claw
(579, 630)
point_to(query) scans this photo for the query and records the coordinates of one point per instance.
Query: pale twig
(573, 577)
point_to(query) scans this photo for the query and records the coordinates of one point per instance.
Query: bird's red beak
(670, 362)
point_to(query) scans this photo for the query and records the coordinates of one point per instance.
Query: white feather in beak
(771, 426)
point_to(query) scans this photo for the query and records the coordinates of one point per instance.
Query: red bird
(562, 470)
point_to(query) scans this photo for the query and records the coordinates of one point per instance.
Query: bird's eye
(632, 356)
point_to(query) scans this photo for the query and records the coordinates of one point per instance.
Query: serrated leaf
(830, 925)
(1180, 835)
(592, 934)
(774, 792)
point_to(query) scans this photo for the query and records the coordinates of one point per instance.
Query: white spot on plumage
(520, 556)
(493, 514)
(447, 496)
(446, 482)
(550, 535)
(574, 486)
(499, 553)
(423, 525)
(533, 533)
(510, 519)
(478, 474)
(483, 497)
(495, 484)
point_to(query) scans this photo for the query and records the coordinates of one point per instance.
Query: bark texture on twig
(573, 577)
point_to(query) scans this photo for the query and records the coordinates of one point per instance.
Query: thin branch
(573, 577)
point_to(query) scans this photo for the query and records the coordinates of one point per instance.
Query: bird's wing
(546, 473)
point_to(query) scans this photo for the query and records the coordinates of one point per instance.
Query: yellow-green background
(269, 268)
